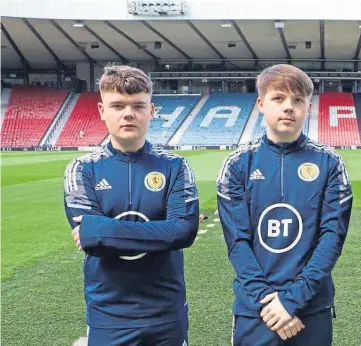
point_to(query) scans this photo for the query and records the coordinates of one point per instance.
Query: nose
(288, 105)
(128, 112)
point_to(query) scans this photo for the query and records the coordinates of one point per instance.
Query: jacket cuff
(258, 305)
(86, 226)
(287, 304)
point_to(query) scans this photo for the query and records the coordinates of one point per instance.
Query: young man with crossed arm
(133, 207)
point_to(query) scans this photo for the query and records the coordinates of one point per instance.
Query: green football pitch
(42, 284)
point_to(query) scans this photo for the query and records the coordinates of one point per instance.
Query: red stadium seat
(337, 120)
(84, 117)
(30, 112)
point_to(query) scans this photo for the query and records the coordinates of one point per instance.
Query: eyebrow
(122, 103)
(275, 93)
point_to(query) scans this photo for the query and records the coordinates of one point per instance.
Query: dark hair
(124, 79)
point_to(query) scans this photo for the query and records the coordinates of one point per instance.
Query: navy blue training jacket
(140, 210)
(285, 211)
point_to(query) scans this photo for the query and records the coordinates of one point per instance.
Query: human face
(127, 118)
(285, 114)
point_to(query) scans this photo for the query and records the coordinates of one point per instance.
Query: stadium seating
(259, 128)
(171, 111)
(84, 117)
(337, 120)
(221, 120)
(357, 101)
(29, 114)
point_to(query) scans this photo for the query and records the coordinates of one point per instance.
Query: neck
(281, 138)
(127, 146)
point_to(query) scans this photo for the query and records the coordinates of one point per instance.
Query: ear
(309, 108)
(260, 104)
(101, 110)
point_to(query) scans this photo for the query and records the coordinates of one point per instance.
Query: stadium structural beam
(38, 36)
(245, 41)
(120, 32)
(268, 60)
(285, 46)
(91, 75)
(358, 48)
(322, 44)
(25, 63)
(66, 35)
(165, 39)
(205, 39)
(106, 44)
(224, 59)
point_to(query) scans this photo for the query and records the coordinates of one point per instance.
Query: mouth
(128, 126)
(287, 119)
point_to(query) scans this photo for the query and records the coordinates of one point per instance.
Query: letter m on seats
(222, 112)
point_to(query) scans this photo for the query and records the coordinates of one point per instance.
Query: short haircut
(284, 77)
(125, 80)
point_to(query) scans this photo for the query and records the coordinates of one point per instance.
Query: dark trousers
(250, 331)
(169, 334)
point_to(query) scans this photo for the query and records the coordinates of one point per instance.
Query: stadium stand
(29, 113)
(221, 120)
(260, 127)
(337, 120)
(357, 101)
(171, 111)
(84, 126)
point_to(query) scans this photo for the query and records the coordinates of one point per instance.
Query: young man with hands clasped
(284, 202)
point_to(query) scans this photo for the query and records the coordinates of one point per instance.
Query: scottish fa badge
(154, 181)
(308, 171)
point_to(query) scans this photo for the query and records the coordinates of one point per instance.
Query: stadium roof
(41, 42)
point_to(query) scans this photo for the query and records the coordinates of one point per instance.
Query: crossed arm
(100, 235)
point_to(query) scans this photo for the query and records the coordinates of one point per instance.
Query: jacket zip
(130, 183)
(282, 174)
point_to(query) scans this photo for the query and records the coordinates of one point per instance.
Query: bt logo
(280, 228)
(274, 227)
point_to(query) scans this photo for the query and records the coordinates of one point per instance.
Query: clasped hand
(278, 319)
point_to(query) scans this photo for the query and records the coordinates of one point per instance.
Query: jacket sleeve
(178, 231)
(333, 227)
(235, 219)
(79, 194)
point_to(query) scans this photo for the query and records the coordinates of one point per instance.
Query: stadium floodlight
(78, 25)
(157, 8)
(279, 25)
(359, 26)
(226, 25)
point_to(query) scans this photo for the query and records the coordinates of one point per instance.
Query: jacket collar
(129, 157)
(286, 148)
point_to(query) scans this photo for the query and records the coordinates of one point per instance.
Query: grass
(42, 283)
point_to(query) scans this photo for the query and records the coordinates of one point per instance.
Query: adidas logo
(103, 185)
(256, 175)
